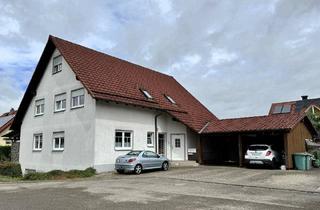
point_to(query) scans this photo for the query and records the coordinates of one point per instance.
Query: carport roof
(276, 122)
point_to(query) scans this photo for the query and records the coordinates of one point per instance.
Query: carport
(225, 142)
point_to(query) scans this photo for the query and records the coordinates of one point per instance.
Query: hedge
(58, 174)
(10, 169)
(5, 153)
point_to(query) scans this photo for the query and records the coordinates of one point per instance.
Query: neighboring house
(6, 120)
(83, 108)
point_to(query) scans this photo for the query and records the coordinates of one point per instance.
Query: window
(282, 109)
(123, 140)
(60, 102)
(150, 137)
(58, 141)
(149, 154)
(177, 143)
(39, 109)
(147, 94)
(77, 98)
(57, 64)
(37, 142)
(170, 99)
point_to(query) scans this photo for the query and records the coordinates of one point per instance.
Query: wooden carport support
(240, 149)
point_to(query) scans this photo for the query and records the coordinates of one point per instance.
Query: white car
(262, 154)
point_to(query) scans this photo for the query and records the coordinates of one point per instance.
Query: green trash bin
(302, 161)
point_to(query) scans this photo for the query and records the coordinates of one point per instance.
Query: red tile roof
(257, 123)
(113, 79)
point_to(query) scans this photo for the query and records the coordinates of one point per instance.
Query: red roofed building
(83, 108)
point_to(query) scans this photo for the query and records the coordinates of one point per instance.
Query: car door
(156, 160)
(146, 160)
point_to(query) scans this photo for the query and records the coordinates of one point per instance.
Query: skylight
(147, 94)
(170, 99)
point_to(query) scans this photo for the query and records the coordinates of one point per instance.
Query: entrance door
(162, 144)
(177, 147)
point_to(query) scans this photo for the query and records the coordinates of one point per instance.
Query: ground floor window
(58, 141)
(123, 139)
(150, 139)
(37, 142)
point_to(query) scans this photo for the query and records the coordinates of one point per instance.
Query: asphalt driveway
(205, 187)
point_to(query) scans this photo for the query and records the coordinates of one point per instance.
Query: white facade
(89, 131)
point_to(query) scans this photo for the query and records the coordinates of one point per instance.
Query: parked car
(137, 161)
(259, 154)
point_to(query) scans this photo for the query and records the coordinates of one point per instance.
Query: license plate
(255, 162)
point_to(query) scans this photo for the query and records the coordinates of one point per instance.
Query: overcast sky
(236, 57)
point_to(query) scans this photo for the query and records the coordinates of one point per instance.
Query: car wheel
(274, 163)
(138, 169)
(165, 166)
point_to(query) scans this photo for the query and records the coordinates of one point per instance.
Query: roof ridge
(105, 54)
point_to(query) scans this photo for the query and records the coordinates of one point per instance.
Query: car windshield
(134, 153)
(258, 147)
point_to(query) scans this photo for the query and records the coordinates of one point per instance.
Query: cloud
(236, 57)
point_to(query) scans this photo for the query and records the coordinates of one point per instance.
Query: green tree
(315, 120)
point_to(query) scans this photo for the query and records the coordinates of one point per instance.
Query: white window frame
(147, 94)
(56, 68)
(150, 138)
(78, 99)
(170, 99)
(62, 101)
(37, 143)
(58, 135)
(40, 106)
(123, 140)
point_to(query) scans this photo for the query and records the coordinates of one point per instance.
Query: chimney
(304, 98)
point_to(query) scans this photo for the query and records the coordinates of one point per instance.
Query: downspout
(156, 131)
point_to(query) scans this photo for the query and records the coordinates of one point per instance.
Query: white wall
(111, 116)
(78, 125)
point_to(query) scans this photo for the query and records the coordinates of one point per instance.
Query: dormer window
(147, 94)
(282, 109)
(57, 64)
(170, 99)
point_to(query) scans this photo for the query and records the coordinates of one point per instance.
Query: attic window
(57, 64)
(281, 109)
(147, 94)
(170, 99)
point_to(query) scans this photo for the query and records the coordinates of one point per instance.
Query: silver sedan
(137, 161)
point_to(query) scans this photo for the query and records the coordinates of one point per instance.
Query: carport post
(240, 150)
(200, 150)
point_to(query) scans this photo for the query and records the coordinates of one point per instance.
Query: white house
(83, 108)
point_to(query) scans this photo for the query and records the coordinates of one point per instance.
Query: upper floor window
(39, 107)
(37, 142)
(57, 64)
(77, 98)
(150, 137)
(60, 102)
(123, 139)
(170, 99)
(282, 109)
(147, 94)
(58, 141)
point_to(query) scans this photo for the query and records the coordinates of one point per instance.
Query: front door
(178, 147)
(161, 144)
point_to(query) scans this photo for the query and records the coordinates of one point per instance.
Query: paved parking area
(205, 187)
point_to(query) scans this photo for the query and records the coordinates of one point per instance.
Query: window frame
(40, 105)
(177, 140)
(61, 136)
(79, 99)
(59, 65)
(146, 94)
(65, 103)
(37, 147)
(152, 139)
(123, 140)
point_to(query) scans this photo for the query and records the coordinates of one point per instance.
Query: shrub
(316, 154)
(5, 152)
(10, 169)
(58, 174)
